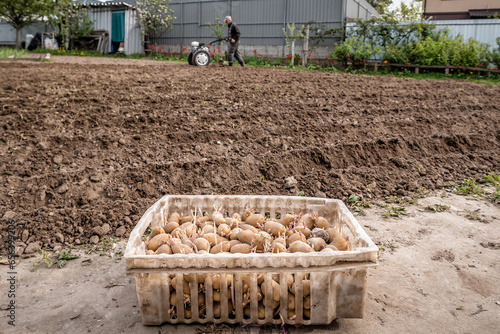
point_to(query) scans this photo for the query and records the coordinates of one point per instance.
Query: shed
(119, 19)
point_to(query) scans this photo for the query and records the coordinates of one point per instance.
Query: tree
(22, 13)
(382, 6)
(72, 20)
(155, 17)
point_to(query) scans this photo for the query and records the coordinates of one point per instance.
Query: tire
(201, 58)
(190, 58)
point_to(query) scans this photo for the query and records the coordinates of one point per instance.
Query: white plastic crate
(337, 279)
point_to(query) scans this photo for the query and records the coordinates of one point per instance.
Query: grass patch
(472, 215)
(491, 179)
(106, 247)
(437, 208)
(8, 52)
(86, 53)
(468, 187)
(357, 205)
(393, 211)
(476, 77)
(60, 258)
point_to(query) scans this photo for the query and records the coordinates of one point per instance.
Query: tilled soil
(86, 148)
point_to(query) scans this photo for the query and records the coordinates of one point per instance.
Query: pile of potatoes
(244, 233)
(259, 292)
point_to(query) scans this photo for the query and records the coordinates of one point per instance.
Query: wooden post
(305, 46)
(375, 67)
(447, 69)
(417, 69)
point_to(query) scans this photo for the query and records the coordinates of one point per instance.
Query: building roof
(111, 3)
(484, 13)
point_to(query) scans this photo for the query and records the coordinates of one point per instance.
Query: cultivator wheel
(201, 58)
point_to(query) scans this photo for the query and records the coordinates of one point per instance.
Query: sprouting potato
(320, 233)
(302, 229)
(174, 217)
(300, 247)
(246, 236)
(278, 247)
(169, 227)
(241, 248)
(173, 298)
(180, 248)
(331, 247)
(317, 243)
(208, 229)
(217, 218)
(262, 241)
(223, 229)
(297, 236)
(155, 232)
(216, 281)
(186, 241)
(306, 288)
(164, 249)
(233, 235)
(177, 232)
(286, 220)
(186, 219)
(338, 240)
(224, 246)
(158, 240)
(187, 313)
(261, 311)
(321, 222)
(249, 227)
(189, 229)
(234, 242)
(247, 213)
(202, 244)
(231, 222)
(307, 221)
(150, 252)
(202, 219)
(185, 286)
(307, 302)
(212, 238)
(275, 290)
(291, 301)
(255, 220)
(274, 228)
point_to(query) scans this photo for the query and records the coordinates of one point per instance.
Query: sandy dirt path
(438, 273)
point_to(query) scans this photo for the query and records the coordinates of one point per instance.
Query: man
(234, 41)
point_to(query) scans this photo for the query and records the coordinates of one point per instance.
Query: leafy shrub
(354, 50)
(495, 55)
(399, 54)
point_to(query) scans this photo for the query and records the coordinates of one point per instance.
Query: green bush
(495, 55)
(354, 50)
(397, 54)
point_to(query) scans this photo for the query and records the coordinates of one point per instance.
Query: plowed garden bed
(87, 144)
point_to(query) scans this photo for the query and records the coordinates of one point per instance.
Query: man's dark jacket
(234, 31)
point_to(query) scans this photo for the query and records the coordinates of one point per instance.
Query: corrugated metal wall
(101, 16)
(133, 36)
(485, 31)
(261, 21)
